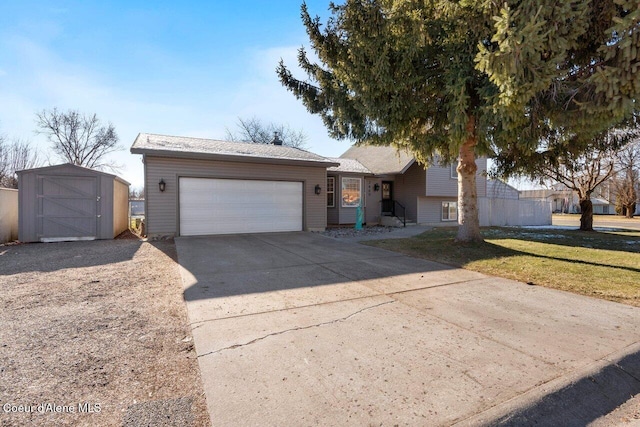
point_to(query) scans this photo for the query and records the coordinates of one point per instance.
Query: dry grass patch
(102, 323)
(602, 264)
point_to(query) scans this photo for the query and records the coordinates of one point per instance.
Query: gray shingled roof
(181, 146)
(380, 160)
(348, 165)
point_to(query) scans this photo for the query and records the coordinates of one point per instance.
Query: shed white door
(228, 206)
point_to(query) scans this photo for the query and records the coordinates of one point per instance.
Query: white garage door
(227, 206)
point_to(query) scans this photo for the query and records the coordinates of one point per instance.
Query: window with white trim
(449, 211)
(331, 192)
(351, 192)
(454, 172)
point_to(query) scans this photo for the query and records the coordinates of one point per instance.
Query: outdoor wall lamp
(376, 187)
(318, 189)
(162, 185)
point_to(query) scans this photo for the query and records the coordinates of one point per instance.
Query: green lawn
(601, 264)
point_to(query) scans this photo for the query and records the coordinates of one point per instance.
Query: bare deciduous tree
(136, 193)
(255, 131)
(15, 156)
(78, 138)
(627, 178)
(583, 169)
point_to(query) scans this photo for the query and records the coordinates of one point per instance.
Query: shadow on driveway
(224, 266)
(48, 257)
(583, 401)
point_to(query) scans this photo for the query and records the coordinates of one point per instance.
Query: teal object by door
(359, 218)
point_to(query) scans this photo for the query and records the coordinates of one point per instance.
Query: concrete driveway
(300, 329)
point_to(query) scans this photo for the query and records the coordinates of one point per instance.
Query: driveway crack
(300, 328)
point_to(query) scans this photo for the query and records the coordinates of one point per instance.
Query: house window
(331, 185)
(454, 172)
(449, 211)
(351, 192)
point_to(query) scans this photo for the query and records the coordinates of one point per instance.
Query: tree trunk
(630, 210)
(586, 216)
(468, 220)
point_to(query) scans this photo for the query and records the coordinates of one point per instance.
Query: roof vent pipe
(276, 139)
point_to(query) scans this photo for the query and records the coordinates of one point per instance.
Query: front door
(387, 198)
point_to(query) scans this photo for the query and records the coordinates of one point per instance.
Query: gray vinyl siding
(373, 200)
(499, 190)
(408, 187)
(106, 203)
(430, 209)
(345, 215)
(162, 210)
(440, 182)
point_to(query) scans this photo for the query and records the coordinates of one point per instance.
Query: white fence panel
(511, 212)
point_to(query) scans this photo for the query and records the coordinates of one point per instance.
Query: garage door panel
(225, 206)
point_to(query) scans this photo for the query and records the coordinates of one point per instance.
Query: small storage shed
(69, 202)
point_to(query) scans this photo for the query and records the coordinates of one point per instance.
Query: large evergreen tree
(469, 77)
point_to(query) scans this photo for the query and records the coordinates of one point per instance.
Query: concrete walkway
(300, 329)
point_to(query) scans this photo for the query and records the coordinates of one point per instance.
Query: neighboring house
(564, 200)
(602, 206)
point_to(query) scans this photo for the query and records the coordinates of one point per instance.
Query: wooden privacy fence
(8, 215)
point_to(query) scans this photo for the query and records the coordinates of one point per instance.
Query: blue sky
(178, 68)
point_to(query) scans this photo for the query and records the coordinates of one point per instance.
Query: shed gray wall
(8, 215)
(105, 207)
(162, 208)
(28, 205)
(120, 207)
(29, 201)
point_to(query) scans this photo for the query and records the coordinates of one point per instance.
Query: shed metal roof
(76, 168)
